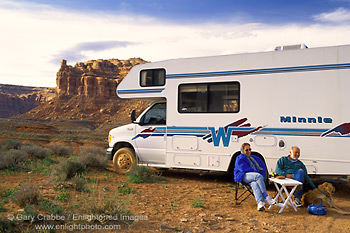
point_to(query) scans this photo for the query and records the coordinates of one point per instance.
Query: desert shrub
(5, 225)
(13, 144)
(68, 169)
(93, 157)
(12, 158)
(2, 209)
(61, 150)
(27, 194)
(63, 195)
(79, 182)
(103, 204)
(142, 174)
(47, 205)
(30, 212)
(35, 151)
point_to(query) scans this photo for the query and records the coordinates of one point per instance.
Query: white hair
(294, 147)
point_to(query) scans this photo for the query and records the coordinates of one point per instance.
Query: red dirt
(168, 207)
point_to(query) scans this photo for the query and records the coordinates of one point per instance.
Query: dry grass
(79, 182)
(27, 194)
(142, 174)
(97, 203)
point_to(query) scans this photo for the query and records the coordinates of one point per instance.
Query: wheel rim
(125, 162)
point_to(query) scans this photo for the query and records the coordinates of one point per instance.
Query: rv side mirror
(133, 115)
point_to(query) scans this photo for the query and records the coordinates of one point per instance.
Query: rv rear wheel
(123, 160)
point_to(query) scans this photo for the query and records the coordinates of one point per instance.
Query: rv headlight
(109, 138)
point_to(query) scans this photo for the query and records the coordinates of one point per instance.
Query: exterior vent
(291, 47)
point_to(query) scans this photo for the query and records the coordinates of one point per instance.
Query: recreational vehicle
(206, 107)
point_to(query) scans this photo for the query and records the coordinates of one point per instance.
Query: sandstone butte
(87, 91)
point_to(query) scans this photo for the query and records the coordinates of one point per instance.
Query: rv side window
(153, 77)
(209, 97)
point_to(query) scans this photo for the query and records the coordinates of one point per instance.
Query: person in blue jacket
(252, 171)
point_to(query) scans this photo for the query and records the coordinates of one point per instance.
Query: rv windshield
(156, 115)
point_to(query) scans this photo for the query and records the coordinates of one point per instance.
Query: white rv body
(278, 99)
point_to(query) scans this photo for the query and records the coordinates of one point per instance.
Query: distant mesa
(20, 99)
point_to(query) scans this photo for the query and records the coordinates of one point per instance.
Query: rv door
(150, 136)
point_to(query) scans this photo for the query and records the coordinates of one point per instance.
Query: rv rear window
(209, 98)
(152, 77)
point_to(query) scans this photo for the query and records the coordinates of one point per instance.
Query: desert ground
(186, 201)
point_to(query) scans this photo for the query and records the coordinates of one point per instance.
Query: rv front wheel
(123, 160)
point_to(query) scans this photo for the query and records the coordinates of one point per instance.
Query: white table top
(285, 181)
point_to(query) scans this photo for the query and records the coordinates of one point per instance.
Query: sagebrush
(142, 174)
(27, 193)
(61, 150)
(13, 144)
(12, 158)
(68, 169)
(36, 151)
(93, 157)
(79, 182)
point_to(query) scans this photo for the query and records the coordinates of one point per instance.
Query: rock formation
(87, 91)
(20, 99)
(96, 78)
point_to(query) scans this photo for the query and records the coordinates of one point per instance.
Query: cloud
(341, 15)
(101, 45)
(34, 38)
(77, 52)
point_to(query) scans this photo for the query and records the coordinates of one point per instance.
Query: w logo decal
(221, 133)
(237, 128)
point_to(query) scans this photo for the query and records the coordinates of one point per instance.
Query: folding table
(281, 185)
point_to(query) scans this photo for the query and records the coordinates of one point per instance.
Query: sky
(35, 35)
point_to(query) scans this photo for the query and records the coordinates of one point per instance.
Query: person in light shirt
(291, 167)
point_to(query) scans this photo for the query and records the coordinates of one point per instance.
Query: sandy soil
(192, 202)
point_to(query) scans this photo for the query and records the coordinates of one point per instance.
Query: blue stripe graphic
(239, 72)
(265, 131)
(208, 131)
(294, 130)
(135, 91)
(264, 71)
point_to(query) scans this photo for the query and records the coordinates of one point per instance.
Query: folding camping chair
(246, 193)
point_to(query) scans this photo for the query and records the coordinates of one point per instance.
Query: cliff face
(20, 99)
(97, 78)
(87, 91)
